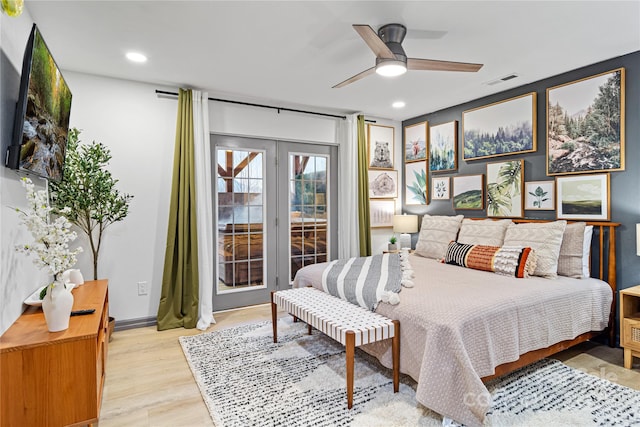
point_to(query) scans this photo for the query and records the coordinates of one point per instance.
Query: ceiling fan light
(391, 68)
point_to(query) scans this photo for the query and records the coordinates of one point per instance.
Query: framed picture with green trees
(585, 125)
(443, 142)
(499, 129)
(504, 189)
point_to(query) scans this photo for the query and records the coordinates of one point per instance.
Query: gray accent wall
(625, 185)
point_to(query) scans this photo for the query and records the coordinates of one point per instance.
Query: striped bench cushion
(334, 316)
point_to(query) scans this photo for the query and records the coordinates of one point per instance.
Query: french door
(274, 213)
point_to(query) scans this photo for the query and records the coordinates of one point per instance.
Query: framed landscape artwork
(415, 142)
(468, 192)
(540, 195)
(501, 128)
(383, 184)
(380, 139)
(381, 213)
(440, 188)
(585, 125)
(504, 189)
(415, 176)
(443, 140)
(583, 197)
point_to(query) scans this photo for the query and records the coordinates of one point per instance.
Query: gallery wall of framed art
(573, 143)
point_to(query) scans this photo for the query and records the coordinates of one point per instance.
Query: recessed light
(398, 104)
(136, 57)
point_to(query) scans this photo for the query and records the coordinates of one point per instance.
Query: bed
(462, 327)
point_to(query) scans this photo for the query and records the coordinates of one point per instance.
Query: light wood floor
(149, 383)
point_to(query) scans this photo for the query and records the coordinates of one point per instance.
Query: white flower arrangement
(50, 246)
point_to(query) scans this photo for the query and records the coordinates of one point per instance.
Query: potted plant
(87, 195)
(51, 250)
(393, 243)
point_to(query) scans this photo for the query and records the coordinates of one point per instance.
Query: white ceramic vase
(57, 304)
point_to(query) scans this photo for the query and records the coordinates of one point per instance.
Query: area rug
(247, 380)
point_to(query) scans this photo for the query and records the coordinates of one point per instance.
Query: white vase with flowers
(51, 251)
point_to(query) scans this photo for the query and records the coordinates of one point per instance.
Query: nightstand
(396, 251)
(630, 324)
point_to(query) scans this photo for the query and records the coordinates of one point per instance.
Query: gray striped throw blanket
(365, 281)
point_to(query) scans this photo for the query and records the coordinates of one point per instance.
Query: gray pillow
(572, 251)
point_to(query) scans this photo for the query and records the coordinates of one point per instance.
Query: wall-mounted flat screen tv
(42, 114)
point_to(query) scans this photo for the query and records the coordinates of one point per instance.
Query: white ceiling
(291, 53)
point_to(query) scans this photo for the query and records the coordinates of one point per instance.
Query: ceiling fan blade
(374, 42)
(434, 65)
(355, 78)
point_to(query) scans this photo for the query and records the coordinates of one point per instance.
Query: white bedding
(458, 324)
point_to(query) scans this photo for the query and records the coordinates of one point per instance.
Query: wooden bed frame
(606, 272)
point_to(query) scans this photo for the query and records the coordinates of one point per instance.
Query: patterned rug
(247, 380)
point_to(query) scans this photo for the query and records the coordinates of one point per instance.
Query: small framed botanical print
(440, 188)
(540, 195)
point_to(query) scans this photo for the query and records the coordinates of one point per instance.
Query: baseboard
(141, 322)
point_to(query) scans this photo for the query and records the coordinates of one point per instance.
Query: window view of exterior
(308, 210)
(241, 217)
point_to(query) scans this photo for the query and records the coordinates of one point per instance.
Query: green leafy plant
(539, 194)
(87, 195)
(393, 239)
(419, 187)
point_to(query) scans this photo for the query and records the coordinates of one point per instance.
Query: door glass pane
(240, 218)
(308, 220)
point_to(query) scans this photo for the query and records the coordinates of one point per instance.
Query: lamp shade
(405, 223)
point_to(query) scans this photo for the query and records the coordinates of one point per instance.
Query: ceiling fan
(391, 60)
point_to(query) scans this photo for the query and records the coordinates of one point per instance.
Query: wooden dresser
(55, 378)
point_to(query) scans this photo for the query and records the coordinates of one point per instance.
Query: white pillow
(586, 252)
(435, 234)
(545, 238)
(483, 232)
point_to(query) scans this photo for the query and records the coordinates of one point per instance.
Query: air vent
(501, 79)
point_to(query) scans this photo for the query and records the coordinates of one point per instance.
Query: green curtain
(364, 223)
(179, 297)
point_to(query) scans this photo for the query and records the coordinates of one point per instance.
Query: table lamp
(405, 224)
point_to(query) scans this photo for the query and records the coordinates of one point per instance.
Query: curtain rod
(162, 92)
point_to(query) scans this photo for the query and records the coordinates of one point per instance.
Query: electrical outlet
(143, 288)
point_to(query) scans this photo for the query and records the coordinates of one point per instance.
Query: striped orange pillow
(515, 261)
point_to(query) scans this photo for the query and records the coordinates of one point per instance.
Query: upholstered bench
(347, 323)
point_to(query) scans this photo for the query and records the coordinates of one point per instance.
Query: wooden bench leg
(351, 349)
(395, 352)
(274, 317)
(309, 328)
